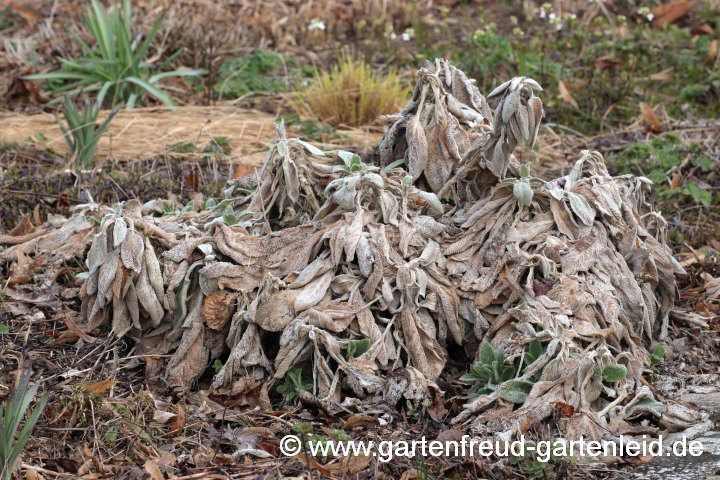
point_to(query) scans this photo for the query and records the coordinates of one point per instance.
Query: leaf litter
(446, 248)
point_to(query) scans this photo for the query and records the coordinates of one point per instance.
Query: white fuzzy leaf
(523, 192)
(582, 208)
(119, 231)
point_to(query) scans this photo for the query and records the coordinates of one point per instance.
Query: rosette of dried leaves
(333, 253)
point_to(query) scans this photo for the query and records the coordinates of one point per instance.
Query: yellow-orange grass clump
(351, 94)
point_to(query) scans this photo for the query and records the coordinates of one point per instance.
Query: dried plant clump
(448, 135)
(350, 94)
(570, 278)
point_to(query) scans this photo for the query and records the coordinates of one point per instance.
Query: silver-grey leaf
(582, 208)
(417, 147)
(119, 231)
(97, 255)
(523, 192)
(510, 105)
(499, 89)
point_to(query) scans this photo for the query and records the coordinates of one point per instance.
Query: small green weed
(657, 158)
(261, 71)
(217, 365)
(355, 348)
(540, 461)
(181, 147)
(491, 373)
(293, 383)
(655, 359)
(218, 145)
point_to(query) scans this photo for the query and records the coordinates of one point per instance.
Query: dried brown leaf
(217, 309)
(565, 95)
(417, 147)
(669, 13)
(650, 117)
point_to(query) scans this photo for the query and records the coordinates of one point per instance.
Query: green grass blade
(131, 101)
(176, 73)
(155, 92)
(127, 18)
(103, 30)
(102, 93)
(60, 75)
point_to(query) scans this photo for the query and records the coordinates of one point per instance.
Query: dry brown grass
(144, 133)
(351, 94)
(147, 132)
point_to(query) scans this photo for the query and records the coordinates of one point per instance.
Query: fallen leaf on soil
(409, 475)
(32, 474)
(565, 95)
(24, 227)
(74, 331)
(704, 29)
(437, 410)
(605, 63)
(100, 387)
(670, 12)
(192, 180)
(662, 76)
(676, 181)
(639, 460)
(712, 51)
(359, 420)
(450, 435)
(153, 470)
(20, 89)
(564, 409)
(346, 465)
(30, 16)
(180, 419)
(650, 118)
(217, 308)
(242, 170)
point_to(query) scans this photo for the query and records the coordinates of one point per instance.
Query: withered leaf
(98, 252)
(119, 231)
(132, 250)
(147, 298)
(566, 96)
(153, 269)
(217, 309)
(510, 105)
(417, 147)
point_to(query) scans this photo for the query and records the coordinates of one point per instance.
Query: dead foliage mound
(368, 279)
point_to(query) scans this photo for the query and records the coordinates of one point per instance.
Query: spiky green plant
(81, 133)
(115, 67)
(12, 442)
